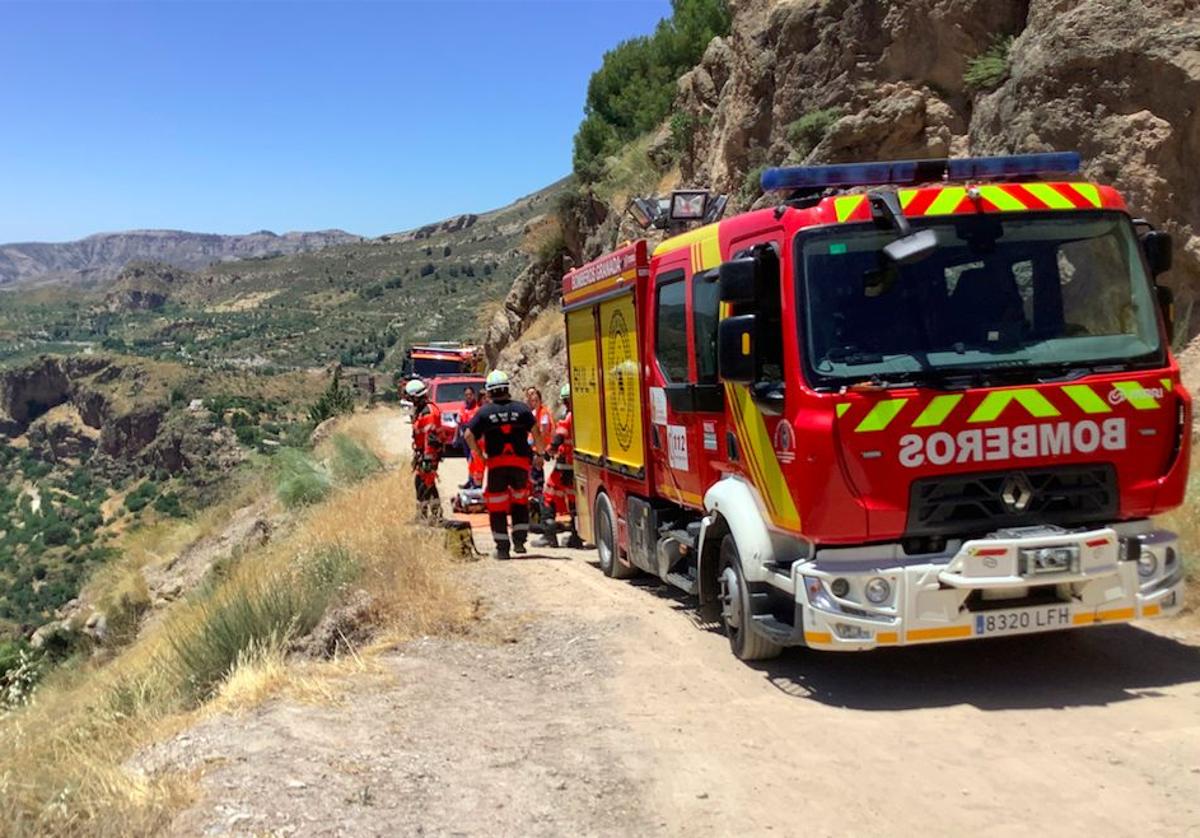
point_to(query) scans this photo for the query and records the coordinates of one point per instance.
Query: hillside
(102, 256)
(359, 303)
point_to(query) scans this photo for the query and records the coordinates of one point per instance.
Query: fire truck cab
(917, 401)
(441, 358)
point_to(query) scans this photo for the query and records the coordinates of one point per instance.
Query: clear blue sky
(233, 117)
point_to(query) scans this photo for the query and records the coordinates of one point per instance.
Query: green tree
(632, 91)
(333, 402)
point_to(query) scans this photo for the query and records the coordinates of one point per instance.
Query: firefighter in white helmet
(428, 444)
(499, 432)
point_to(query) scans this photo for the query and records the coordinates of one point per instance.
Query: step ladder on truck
(914, 402)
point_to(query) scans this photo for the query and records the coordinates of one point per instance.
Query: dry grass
(549, 322)
(542, 232)
(264, 672)
(64, 759)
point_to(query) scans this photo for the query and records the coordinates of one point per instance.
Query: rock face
(806, 80)
(62, 434)
(101, 257)
(144, 286)
(55, 402)
(537, 288)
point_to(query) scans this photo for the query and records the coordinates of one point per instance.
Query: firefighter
(499, 433)
(427, 442)
(539, 438)
(560, 489)
(474, 464)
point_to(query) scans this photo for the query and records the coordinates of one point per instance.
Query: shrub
(752, 184)
(333, 402)
(20, 679)
(139, 498)
(299, 481)
(352, 461)
(806, 132)
(247, 613)
(990, 68)
(683, 132)
(168, 503)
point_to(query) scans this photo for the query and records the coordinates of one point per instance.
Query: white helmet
(416, 389)
(496, 380)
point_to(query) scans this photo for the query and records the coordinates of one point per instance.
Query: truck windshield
(445, 392)
(433, 367)
(1056, 294)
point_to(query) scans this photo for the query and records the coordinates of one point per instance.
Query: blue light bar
(920, 171)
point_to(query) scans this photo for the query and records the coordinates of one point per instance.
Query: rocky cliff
(101, 257)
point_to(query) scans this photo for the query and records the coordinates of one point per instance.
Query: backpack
(460, 542)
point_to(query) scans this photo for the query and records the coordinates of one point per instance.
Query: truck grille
(975, 504)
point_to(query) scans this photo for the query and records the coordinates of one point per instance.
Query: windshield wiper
(1067, 371)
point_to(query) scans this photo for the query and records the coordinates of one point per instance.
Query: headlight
(818, 597)
(840, 588)
(1147, 564)
(879, 590)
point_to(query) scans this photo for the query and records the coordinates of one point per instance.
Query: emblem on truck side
(785, 442)
(624, 384)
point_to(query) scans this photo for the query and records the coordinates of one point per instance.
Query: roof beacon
(920, 171)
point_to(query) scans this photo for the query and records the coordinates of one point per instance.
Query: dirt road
(590, 706)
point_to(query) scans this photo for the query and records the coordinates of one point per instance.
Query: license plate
(1022, 620)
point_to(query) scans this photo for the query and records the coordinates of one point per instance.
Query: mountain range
(101, 257)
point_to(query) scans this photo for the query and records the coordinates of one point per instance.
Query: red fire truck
(439, 358)
(914, 402)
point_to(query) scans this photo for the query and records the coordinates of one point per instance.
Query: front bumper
(988, 587)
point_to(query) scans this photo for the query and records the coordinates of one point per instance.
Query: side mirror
(740, 280)
(1157, 246)
(911, 248)
(737, 348)
(1166, 302)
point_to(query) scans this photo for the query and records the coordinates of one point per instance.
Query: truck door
(686, 402)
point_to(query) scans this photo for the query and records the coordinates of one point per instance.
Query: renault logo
(1016, 492)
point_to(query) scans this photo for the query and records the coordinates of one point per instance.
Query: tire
(745, 643)
(605, 525)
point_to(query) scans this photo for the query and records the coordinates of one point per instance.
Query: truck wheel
(606, 538)
(747, 644)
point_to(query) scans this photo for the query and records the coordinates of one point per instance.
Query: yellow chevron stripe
(906, 196)
(847, 206)
(881, 415)
(1088, 191)
(743, 435)
(1167, 384)
(1001, 197)
(1049, 196)
(1086, 399)
(842, 408)
(993, 404)
(947, 200)
(937, 410)
(1136, 395)
(756, 442)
